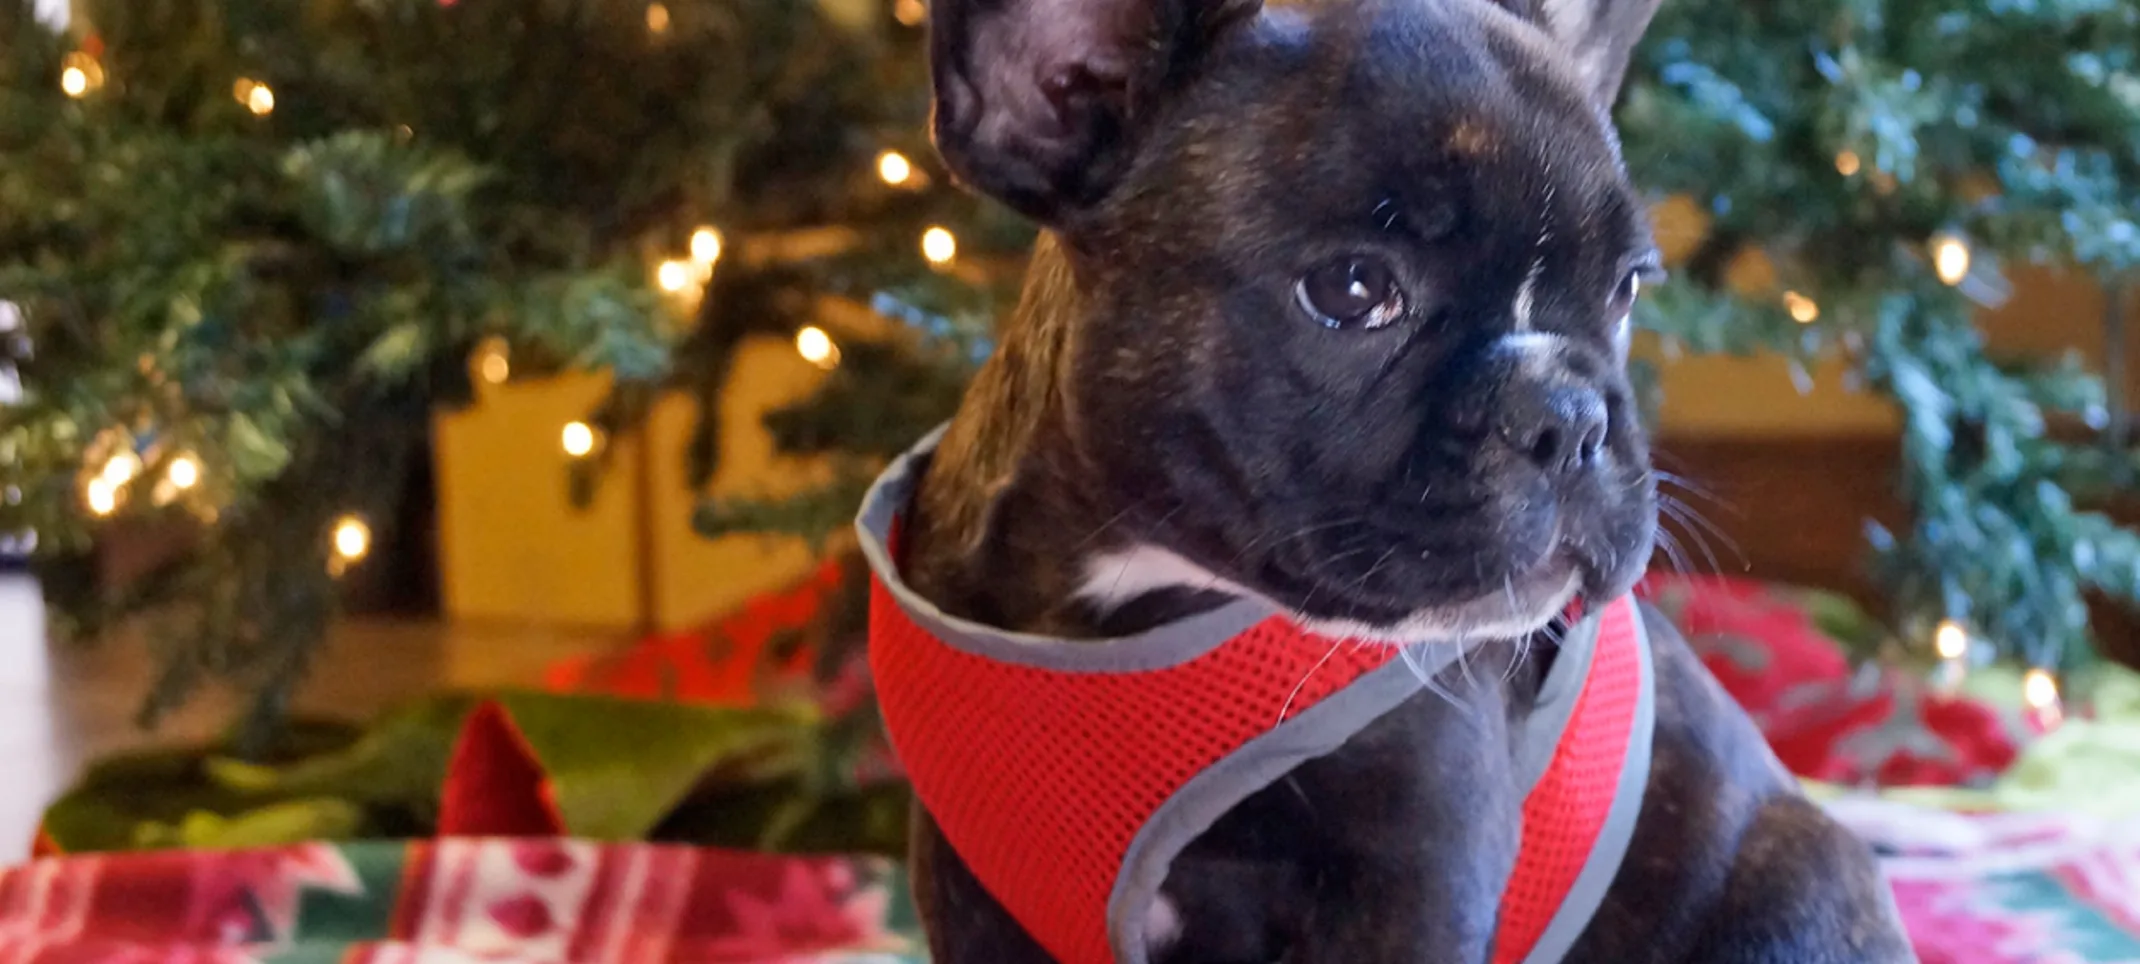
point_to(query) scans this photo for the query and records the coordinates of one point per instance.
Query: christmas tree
(247, 246)
(1882, 160)
(257, 239)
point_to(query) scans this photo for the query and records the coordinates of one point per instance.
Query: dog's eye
(1355, 291)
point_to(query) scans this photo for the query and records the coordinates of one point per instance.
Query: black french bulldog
(1332, 307)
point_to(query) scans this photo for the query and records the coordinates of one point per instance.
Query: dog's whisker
(1287, 708)
(1417, 664)
(1110, 523)
(1696, 489)
(1523, 654)
(1701, 530)
(1668, 544)
(1669, 510)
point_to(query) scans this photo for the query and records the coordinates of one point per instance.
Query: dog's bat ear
(1599, 35)
(1036, 99)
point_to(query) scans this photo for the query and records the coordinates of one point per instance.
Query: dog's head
(1353, 283)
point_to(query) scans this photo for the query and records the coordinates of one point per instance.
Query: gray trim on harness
(1169, 645)
(1321, 729)
(1316, 731)
(1603, 865)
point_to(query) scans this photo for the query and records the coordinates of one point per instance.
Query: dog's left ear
(1038, 100)
(1599, 35)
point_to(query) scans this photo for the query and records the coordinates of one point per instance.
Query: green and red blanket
(1974, 890)
(454, 901)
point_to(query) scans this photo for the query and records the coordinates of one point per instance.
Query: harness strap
(1068, 775)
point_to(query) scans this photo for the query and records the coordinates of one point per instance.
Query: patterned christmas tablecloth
(454, 901)
(2006, 889)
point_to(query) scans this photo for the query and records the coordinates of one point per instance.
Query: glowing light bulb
(894, 168)
(910, 12)
(260, 100)
(352, 538)
(101, 496)
(938, 245)
(657, 18)
(184, 472)
(705, 246)
(1950, 641)
(1847, 163)
(494, 362)
(1950, 258)
(674, 276)
(1801, 308)
(121, 468)
(578, 439)
(80, 73)
(816, 347)
(2039, 689)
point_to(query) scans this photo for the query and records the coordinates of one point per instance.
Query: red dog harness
(1069, 774)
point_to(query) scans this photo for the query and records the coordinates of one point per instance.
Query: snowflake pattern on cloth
(455, 901)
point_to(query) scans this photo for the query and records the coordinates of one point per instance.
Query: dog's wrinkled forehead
(1452, 107)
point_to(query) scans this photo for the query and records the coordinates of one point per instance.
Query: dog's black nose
(1560, 425)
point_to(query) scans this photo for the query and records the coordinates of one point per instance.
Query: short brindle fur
(1331, 307)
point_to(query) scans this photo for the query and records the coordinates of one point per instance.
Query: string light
(910, 12)
(80, 73)
(256, 96)
(938, 245)
(894, 168)
(183, 473)
(657, 18)
(121, 469)
(816, 347)
(1950, 258)
(1802, 309)
(1950, 641)
(494, 361)
(2039, 689)
(352, 538)
(578, 439)
(101, 496)
(705, 247)
(673, 276)
(1846, 163)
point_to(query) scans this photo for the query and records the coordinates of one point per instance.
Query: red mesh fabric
(1566, 811)
(1040, 779)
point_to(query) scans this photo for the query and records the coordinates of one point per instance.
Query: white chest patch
(1114, 578)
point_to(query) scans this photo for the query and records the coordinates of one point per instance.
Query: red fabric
(1567, 810)
(1875, 726)
(494, 785)
(1891, 729)
(727, 662)
(1040, 779)
(1759, 644)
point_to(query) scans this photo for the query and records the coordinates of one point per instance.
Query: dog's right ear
(1037, 99)
(1599, 36)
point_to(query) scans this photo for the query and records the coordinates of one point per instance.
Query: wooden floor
(61, 707)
